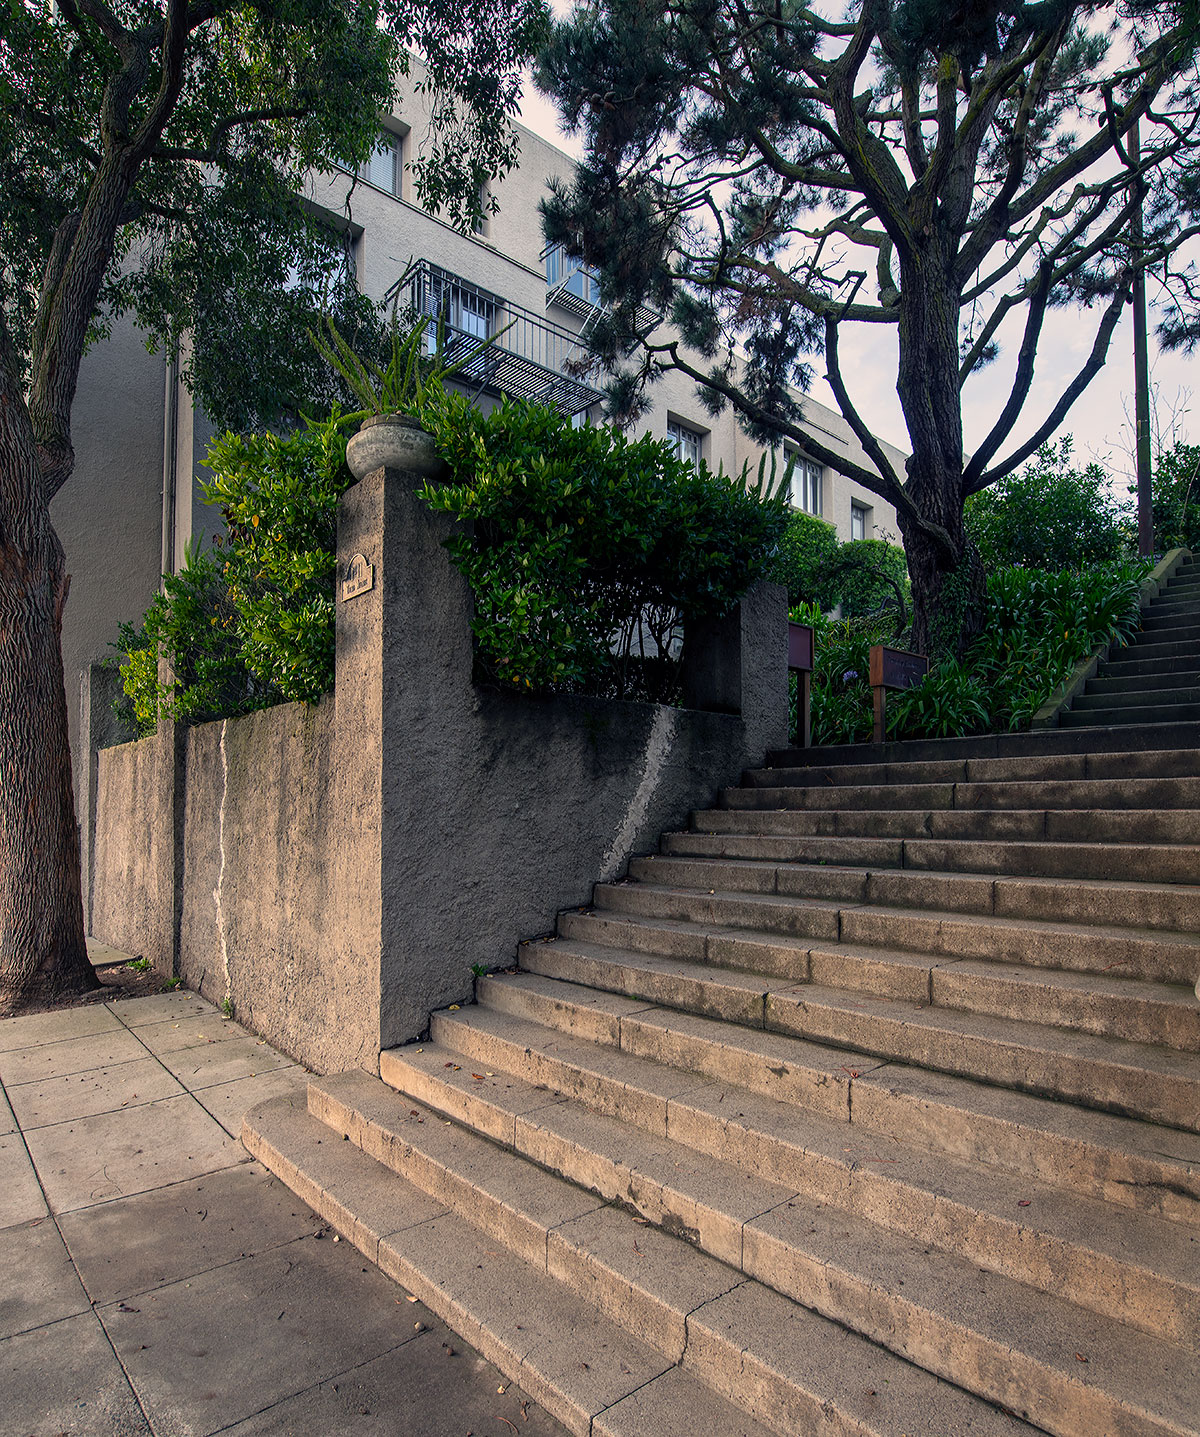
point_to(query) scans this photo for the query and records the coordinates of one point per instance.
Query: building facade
(134, 502)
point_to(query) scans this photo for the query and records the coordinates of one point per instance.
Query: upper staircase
(869, 1105)
(1155, 678)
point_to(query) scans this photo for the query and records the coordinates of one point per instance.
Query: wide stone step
(784, 1366)
(1162, 707)
(1102, 793)
(1122, 666)
(1104, 1004)
(1149, 696)
(525, 1321)
(1154, 763)
(1133, 1164)
(938, 1309)
(1154, 955)
(1173, 907)
(1162, 679)
(1002, 745)
(1172, 623)
(1141, 1080)
(1141, 1270)
(1062, 825)
(1156, 864)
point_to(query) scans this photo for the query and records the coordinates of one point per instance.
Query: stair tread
(891, 1095)
(782, 901)
(1146, 1371)
(1066, 979)
(1120, 1052)
(1037, 881)
(525, 1322)
(1016, 1201)
(1075, 793)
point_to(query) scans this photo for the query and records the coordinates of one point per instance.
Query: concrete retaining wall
(334, 871)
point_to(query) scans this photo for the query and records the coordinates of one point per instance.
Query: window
(580, 281)
(806, 483)
(860, 521)
(462, 307)
(385, 167)
(688, 442)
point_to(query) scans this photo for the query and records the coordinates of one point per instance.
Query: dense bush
(806, 547)
(865, 576)
(249, 623)
(1039, 626)
(1175, 490)
(1049, 516)
(587, 552)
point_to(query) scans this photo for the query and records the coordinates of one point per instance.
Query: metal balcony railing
(529, 358)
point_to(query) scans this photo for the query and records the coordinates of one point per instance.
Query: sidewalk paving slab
(175, 1287)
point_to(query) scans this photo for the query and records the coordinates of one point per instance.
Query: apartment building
(134, 502)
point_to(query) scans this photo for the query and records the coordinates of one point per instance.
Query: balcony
(529, 358)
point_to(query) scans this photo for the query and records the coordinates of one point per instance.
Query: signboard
(360, 577)
(895, 668)
(800, 647)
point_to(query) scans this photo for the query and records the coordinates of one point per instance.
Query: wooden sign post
(892, 669)
(800, 661)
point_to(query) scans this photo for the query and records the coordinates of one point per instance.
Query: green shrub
(870, 576)
(1050, 515)
(1175, 490)
(250, 623)
(806, 547)
(587, 552)
(1039, 626)
(191, 624)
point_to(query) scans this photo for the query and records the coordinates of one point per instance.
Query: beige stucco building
(134, 502)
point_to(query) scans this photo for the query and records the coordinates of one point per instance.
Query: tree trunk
(948, 581)
(43, 950)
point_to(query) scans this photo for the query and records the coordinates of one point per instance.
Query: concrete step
(1150, 695)
(687, 1307)
(1103, 1004)
(1005, 1340)
(1141, 1270)
(1109, 683)
(1153, 955)
(1155, 763)
(1121, 665)
(1161, 646)
(1172, 623)
(1156, 864)
(1141, 1080)
(1119, 1160)
(1100, 793)
(1004, 745)
(1173, 907)
(533, 1327)
(1177, 601)
(1026, 825)
(1158, 707)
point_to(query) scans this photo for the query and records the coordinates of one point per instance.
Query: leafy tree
(152, 158)
(767, 173)
(1050, 515)
(807, 546)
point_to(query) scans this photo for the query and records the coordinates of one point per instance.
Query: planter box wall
(338, 868)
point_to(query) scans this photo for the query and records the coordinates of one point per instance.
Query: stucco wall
(335, 871)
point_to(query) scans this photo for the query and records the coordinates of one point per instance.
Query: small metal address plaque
(360, 577)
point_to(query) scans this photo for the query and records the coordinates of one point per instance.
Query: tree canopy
(153, 157)
(765, 172)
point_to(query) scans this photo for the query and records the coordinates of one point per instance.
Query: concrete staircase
(869, 1105)
(1155, 679)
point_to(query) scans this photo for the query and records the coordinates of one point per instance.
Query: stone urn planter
(393, 441)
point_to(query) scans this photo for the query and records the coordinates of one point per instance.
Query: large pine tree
(766, 172)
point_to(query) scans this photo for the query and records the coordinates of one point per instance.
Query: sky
(1098, 420)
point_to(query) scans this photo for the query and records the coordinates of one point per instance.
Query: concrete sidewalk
(156, 1280)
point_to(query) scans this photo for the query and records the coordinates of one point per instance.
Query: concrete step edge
(776, 1249)
(1132, 1266)
(1138, 1080)
(1119, 1160)
(435, 1258)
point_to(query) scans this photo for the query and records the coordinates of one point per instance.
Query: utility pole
(1141, 368)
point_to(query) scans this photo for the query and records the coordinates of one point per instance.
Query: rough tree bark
(43, 950)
